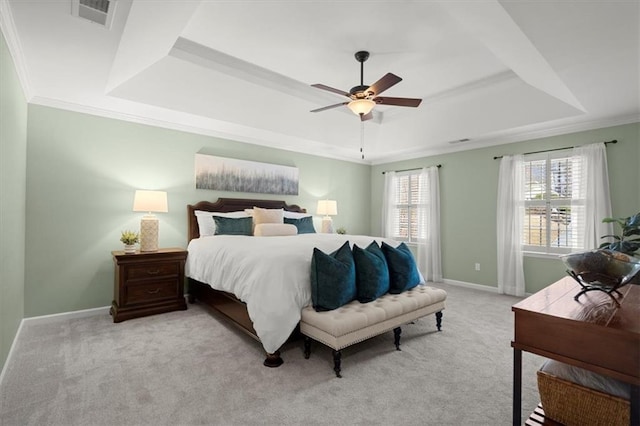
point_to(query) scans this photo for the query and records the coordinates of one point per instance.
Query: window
(553, 209)
(411, 213)
(405, 207)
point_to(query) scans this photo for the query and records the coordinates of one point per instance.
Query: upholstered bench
(355, 321)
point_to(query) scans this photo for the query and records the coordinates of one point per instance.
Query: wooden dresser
(590, 333)
(148, 283)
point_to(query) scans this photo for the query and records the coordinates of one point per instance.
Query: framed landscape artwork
(230, 174)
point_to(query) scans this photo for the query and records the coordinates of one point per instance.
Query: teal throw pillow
(304, 224)
(333, 278)
(233, 225)
(372, 273)
(403, 272)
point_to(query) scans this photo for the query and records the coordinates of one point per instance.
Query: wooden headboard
(226, 205)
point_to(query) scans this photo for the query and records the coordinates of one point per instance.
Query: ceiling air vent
(460, 140)
(98, 11)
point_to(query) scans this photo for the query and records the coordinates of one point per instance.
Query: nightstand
(148, 283)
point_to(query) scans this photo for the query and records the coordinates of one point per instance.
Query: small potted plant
(341, 230)
(129, 239)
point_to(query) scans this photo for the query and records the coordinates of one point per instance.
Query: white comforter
(270, 274)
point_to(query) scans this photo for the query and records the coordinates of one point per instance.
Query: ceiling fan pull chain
(362, 139)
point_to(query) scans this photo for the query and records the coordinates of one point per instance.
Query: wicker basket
(575, 405)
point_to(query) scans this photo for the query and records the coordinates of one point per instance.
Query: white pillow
(295, 215)
(237, 214)
(267, 215)
(288, 214)
(207, 226)
(274, 229)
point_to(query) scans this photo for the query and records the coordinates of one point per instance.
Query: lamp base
(327, 225)
(149, 233)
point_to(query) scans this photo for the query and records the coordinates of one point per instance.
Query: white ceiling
(490, 71)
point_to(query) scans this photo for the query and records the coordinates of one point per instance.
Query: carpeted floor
(188, 368)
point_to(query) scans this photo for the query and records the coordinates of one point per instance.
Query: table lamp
(328, 208)
(150, 202)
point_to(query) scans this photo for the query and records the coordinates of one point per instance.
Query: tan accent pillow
(261, 215)
(274, 229)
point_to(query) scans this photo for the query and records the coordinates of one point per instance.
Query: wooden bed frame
(226, 304)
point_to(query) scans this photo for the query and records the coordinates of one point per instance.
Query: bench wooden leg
(396, 337)
(439, 319)
(337, 355)
(307, 347)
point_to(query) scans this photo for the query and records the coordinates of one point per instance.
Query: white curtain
(429, 254)
(388, 200)
(510, 217)
(592, 199)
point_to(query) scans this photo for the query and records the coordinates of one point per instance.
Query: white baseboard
(43, 319)
(477, 286)
(13, 345)
(471, 285)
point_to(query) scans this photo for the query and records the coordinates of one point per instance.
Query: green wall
(83, 170)
(13, 157)
(468, 191)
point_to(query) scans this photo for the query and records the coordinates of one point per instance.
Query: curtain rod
(556, 149)
(408, 170)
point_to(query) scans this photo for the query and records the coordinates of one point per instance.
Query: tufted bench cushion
(355, 321)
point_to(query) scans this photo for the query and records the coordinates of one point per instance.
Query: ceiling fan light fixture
(361, 106)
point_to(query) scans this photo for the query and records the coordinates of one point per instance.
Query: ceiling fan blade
(366, 117)
(329, 107)
(405, 102)
(383, 84)
(331, 89)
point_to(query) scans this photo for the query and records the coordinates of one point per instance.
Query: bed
(224, 303)
(253, 290)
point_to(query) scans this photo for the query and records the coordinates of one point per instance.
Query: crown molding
(214, 128)
(239, 133)
(512, 136)
(8, 28)
(259, 137)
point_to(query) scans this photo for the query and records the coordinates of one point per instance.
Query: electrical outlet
(477, 266)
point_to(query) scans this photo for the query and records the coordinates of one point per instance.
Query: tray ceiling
(488, 71)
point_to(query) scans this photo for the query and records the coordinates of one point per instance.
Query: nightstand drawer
(152, 270)
(161, 289)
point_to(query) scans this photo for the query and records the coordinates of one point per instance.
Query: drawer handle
(153, 271)
(153, 291)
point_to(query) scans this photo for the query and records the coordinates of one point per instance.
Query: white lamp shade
(150, 201)
(361, 106)
(328, 207)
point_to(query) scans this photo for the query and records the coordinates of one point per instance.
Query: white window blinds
(405, 207)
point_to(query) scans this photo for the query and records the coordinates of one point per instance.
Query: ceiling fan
(364, 98)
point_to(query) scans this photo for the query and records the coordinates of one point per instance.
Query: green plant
(341, 230)
(628, 242)
(129, 237)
